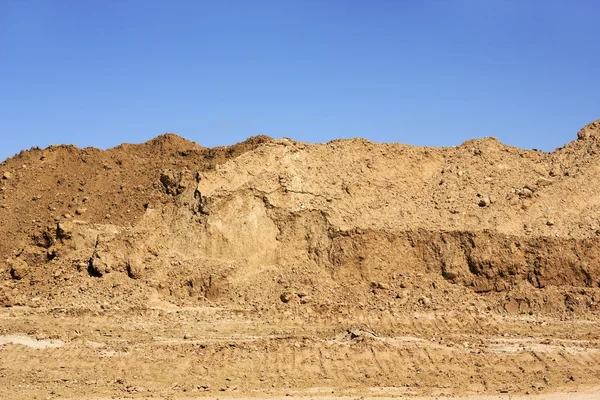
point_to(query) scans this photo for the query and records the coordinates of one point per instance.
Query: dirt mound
(348, 231)
(224, 224)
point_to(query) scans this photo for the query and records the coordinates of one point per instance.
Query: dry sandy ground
(588, 394)
(174, 352)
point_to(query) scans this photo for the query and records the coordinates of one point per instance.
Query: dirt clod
(18, 268)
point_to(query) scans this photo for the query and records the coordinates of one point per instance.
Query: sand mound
(470, 269)
(257, 221)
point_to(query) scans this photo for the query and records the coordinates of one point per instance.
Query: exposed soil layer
(275, 267)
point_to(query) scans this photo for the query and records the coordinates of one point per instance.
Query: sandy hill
(274, 268)
(266, 222)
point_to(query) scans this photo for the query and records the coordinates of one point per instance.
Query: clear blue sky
(424, 72)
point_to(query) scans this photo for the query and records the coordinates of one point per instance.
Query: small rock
(135, 269)
(544, 181)
(6, 300)
(63, 232)
(380, 285)
(80, 211)
(484, 202)
(449, 274)
(425, 301)
(285, 297)
(6, 176)
(18, 269)
(82, 266)
(549, 222)
(99, 265)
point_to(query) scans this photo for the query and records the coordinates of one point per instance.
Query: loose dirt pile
(275, 266)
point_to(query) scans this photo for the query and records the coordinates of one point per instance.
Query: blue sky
(423, 72)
